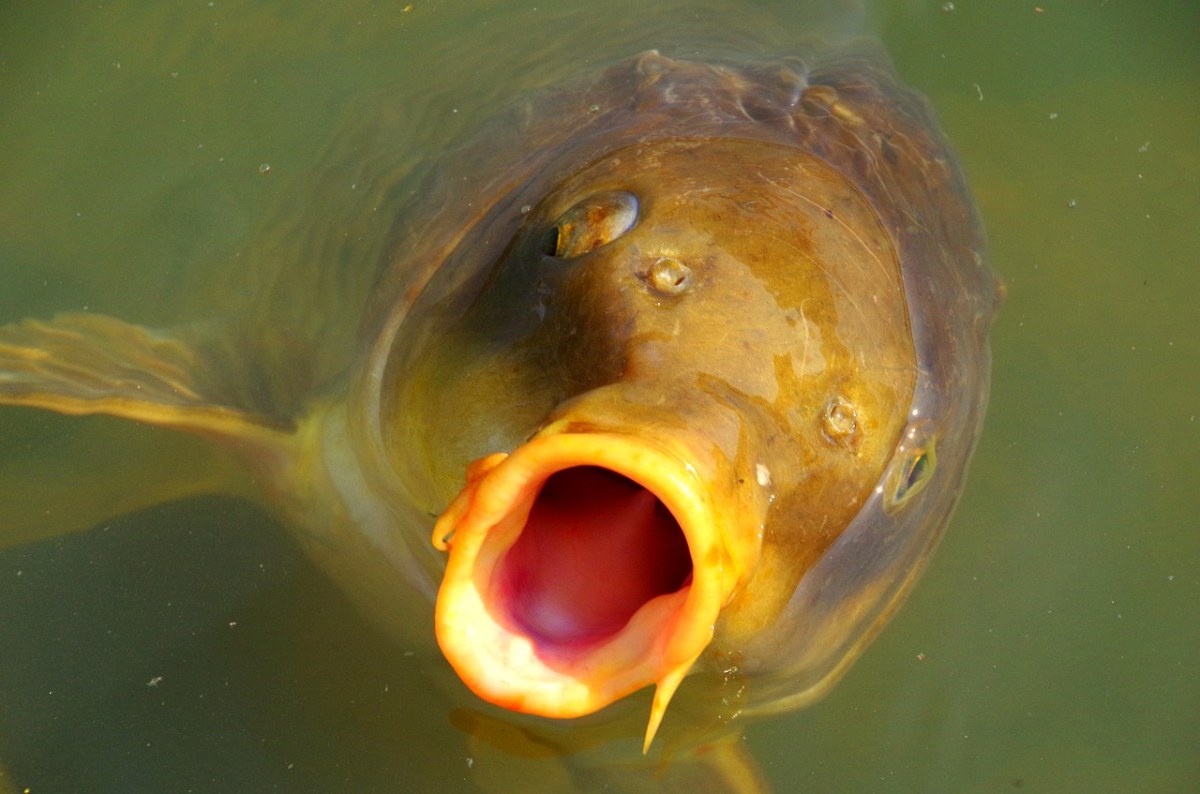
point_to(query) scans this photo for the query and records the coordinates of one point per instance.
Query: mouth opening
(596, 547)
(582, 567)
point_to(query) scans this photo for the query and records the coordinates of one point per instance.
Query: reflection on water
(1052, 645)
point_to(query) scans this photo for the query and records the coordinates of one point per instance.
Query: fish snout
(583, 566)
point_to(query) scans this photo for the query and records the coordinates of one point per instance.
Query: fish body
(688, 359)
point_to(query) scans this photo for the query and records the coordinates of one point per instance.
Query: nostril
(669, 276)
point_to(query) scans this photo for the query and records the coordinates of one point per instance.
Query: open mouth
(595, 548)
(583, 566)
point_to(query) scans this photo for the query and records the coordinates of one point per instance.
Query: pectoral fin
(93, 364)
(81, 364)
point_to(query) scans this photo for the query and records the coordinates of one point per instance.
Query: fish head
(698, 355)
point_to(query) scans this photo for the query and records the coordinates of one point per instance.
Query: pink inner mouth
(595, 548)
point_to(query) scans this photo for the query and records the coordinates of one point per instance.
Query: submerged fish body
(708, 343)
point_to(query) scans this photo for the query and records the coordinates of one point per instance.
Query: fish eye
(910, 472)
(593, 222)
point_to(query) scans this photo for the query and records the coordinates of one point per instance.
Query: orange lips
(583, 566)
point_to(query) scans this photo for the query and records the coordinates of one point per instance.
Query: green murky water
(1052, 646)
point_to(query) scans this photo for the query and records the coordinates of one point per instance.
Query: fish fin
(721, 764)
(93, 364)
(80, 364)
(730, 762)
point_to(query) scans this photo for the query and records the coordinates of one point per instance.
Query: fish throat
(596, 547)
